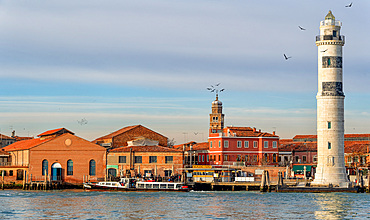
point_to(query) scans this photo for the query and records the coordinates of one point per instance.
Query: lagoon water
(78, 204)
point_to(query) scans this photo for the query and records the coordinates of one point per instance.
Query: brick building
(194, 153)
(142, 158)
(246, 145)
(59, 155)
(302, 151)
(120, 137)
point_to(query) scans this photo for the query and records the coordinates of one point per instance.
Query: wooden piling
(2, 180)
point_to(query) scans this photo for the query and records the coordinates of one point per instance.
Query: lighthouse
(330, 105)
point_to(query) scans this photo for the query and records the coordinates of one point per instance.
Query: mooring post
(2, 180)
(263, 181)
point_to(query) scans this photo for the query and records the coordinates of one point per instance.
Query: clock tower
(216, 118)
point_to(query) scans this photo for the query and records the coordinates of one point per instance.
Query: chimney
(13, 133)
(273, 133)
(259, 130)
(254, 129)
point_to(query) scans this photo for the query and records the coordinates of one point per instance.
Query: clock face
(68, 142)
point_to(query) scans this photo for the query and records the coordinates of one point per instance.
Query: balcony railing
(8, 164)
(329, 37)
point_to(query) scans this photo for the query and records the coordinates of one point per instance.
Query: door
(56, 172)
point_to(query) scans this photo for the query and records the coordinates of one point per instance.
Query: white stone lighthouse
(330, 105)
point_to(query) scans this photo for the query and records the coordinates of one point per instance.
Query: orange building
(58, 155)
(145, 160)
(243, 145)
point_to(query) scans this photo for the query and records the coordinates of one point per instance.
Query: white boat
(131, 184)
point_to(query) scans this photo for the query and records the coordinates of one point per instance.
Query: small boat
(131, 184)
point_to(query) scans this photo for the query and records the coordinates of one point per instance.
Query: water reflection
(197, 205)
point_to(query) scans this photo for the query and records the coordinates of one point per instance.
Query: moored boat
(131, 184)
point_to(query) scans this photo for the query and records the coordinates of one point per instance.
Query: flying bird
(222, 90)
(217, 84)
(350, 5)
(209, 88)
(286, 58)
(302, 29)
(323, 51)
(82, 121)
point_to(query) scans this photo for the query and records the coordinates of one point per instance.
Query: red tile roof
(118, 132)
(286, 145)
(201, 146)
(54, 131)
(25, 145)
(145, 149)
(247, 132)
(195, 146)
(17, 138)
(3, 136)
(3, 153)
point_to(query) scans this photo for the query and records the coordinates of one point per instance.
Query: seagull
(222, 90)
(350, 5)
(209, 88)
(286, 58)
(323, 51)
(218, 84)
(302, 29)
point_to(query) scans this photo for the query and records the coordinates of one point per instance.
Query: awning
(301, 168)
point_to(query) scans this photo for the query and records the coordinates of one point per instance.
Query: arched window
(92, 168)
(69, 168)
(44, 167)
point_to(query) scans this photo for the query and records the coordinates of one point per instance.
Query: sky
(94, 67)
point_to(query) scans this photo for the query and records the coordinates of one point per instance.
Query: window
(202, 158)
(304, 158)
(314, 159)
(168, 159)
(254, 158)
(138, 159)
(246, 144)
(246, 158)
(92, 168)
(239, 144)
(274, 144)
(219, 144)
(210, 144)
(152, 159)
(207, 158)
(329, 62)
(296, 158)
(329, 124)
(167, 173)
(10, 172)
(355, 159)
(349, 159)
(219, 157)
(239, 157)
(274, 158)
(69, 168)
(121, 159)
(334, 33)
(226, 157)
(44, 167)
(265, 144)
(329, 145)
(226, 144)
(255, 144)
